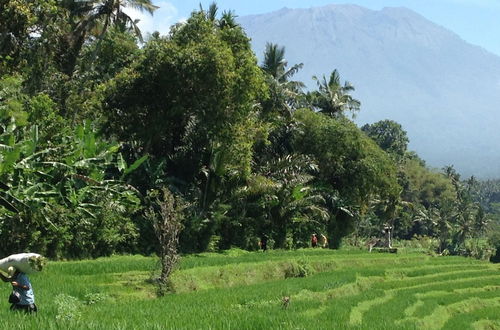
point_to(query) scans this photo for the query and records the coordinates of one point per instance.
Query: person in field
(22, 296)
(263, 243)
(314, 240)
(323, 241)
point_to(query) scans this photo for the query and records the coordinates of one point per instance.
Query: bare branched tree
(165, 214)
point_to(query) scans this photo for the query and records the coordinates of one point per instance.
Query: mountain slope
(444, 91)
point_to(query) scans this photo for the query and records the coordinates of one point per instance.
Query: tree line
(99, 123)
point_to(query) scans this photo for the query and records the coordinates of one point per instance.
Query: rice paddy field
(304, 289)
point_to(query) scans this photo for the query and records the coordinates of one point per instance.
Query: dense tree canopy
(93, 119)
(389, 135)
(349, 161)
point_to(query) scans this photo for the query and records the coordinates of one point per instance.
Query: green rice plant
(443, 313)
(356, 316)
(486, 325)
(247, 291)
(444, 298)
(483, 318)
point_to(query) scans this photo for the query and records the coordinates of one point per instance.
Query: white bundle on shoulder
(24, 262)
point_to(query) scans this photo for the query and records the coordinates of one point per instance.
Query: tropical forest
(119, 148)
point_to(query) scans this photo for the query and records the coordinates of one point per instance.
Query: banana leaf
(5, 203)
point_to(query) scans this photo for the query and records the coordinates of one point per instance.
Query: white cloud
(161, 21)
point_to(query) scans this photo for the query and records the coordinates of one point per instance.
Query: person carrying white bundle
(18, 266)
(22, 296)
(24, 262)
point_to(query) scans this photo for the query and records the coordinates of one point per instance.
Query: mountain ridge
(444, 91)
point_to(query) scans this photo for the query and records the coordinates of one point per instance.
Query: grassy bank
(242, 290)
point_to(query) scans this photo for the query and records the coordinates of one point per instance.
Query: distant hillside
(444, 91)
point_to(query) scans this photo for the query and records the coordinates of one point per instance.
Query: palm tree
(94, 17)
(110, 12)
(480, 222)
(286, 195)
(275, 64)
(274, 60)
(441, 220)
(333, 98)
(228, 20)
(285, 93)
(453, 175)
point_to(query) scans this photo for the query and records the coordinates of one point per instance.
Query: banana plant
(70, 176)
(47, 189)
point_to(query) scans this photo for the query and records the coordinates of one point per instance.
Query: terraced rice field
(339, 290)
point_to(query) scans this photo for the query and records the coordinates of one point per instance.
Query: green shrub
(94, 298)
(299, 268)
(235, 252)
(479, 249)
(213, 244)
(289, 244)
(425, 242)
(494, 240)
(270, 243)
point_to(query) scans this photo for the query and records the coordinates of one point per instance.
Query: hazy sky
(476, 21)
